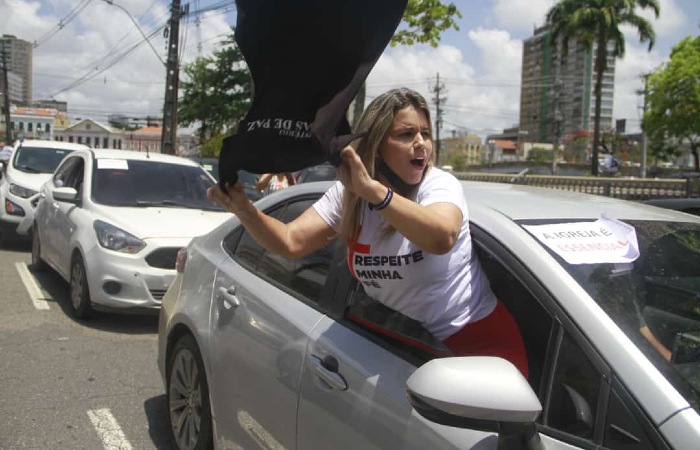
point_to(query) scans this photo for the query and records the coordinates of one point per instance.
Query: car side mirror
(478, 392)
(67, 195)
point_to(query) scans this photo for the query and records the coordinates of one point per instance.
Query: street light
(111, 2)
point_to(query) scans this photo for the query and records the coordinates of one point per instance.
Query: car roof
(53, 144)
(520, 202)
(108, 153)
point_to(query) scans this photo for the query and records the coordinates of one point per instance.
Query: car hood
(145, 223)
(29, 180)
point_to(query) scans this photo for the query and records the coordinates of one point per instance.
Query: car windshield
(248, 179)
(120, 182)
(319, 173)
(655, 300)
(38, 159)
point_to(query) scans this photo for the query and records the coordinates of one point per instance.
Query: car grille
(158, 294)
(163, 258)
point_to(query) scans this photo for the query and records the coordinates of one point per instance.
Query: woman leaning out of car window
(406, 226)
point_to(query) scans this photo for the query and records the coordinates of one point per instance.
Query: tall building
(15, 87)
(544, 64)
(18, 54)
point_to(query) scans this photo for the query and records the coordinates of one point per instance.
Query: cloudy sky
(97, 61)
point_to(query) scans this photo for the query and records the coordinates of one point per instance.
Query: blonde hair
(376, 121)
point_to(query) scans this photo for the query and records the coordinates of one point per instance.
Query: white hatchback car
(111, 223)
(31, 165)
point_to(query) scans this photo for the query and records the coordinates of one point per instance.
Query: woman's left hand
(354, 176)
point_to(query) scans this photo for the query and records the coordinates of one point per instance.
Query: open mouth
(418, 162)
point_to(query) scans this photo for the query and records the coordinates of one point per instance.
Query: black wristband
(384, 203)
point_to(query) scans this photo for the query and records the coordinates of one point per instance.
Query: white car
(111, 222)
(31, 165)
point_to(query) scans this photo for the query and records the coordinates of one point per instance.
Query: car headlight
(113, 238)
(20, 191)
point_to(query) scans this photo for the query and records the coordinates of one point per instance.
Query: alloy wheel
(185, 400)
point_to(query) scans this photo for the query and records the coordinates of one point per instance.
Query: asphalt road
(68, 384)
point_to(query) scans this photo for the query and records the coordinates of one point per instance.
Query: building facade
(15, 87)
(468, 149)
(32, 123)
(53, 104)
(18, 54)
(148, 139)
(91, 133)
(558, 87)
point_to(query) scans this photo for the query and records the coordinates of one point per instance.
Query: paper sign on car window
(119, 164)
(604, 241)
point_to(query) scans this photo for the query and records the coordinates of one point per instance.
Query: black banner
(308, 59)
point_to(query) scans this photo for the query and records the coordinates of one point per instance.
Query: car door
(68, 217)
(48, 214)
(265, 307)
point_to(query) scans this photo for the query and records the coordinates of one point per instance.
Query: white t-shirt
(443, 292)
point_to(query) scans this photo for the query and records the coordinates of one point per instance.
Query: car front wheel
(79, 291)
(189, 412)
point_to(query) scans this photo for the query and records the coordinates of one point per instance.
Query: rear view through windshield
(655, 300)
(38, 159)
(150, 184)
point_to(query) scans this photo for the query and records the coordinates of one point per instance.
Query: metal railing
(623, 188)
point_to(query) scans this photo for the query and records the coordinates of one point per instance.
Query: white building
(92, 134)
(32, 123)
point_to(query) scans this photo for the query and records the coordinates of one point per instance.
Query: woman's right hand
(234, 201)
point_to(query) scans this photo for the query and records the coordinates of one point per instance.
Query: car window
(62, 174)
(317, 173)
(304, 276)
(121, 182)
(569, 377)
(574, 397)
(38, 159)
(654, 300)
(241, 246)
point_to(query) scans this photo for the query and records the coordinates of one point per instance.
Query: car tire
(187, 392)
(38, 264)
(80, 302)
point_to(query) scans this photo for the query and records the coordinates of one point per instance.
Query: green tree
(458, 162)
(674, 100)
(216, 91)
(598, 22)
(423, 22)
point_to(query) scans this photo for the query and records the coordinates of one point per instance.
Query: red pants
(495, 335)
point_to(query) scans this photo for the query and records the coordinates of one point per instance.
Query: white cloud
(627, 103)
(670, 20)
(480, 104)
(134, 85)
(521, 15)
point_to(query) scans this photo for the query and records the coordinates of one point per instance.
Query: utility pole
(6, 96)
(168, 141)
(438, 89)
(644, 92)
(558, 117)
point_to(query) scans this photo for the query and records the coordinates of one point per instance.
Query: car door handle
(328, 374)
(229, 296)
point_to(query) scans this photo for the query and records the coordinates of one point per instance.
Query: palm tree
(599, 21)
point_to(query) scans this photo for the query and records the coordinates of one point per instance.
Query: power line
(62, 23)
(98, 71)
(111, 2)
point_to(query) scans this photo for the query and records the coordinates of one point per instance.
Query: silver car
(261, 351)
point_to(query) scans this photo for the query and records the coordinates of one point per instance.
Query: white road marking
(37, 296)
(108, 429)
